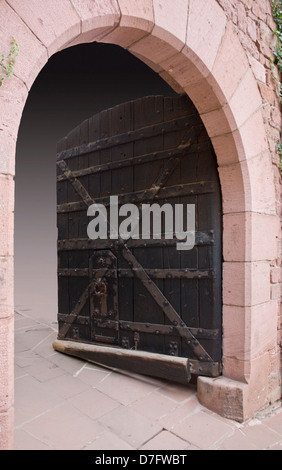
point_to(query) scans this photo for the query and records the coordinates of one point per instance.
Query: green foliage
(7, 63)
(280, 153)
(277, 60)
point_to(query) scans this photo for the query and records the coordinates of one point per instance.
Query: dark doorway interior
(74, 85)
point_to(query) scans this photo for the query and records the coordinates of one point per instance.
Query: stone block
(7, 430)
(125, 37)
(258, 11)
(233, 184)
(154, 67)
(275, 359)
(236, 369)
(219, 122)
(249, 332)
(252, 29)
(258, 69)
(54, 23)
(265, 230)
(228, 148)
(246, 99)
(250, 237)
(6, 215)
(6, 287)
(6, 364)
(105, 13)
(246, 284)
(276, 292)
(97, 19)
(7, 153)
(237, 332)
(134, 10)
(231, 63)
(32, 53)
(171, 21)
(204, 96)
(136, 21)
(259, 171)
(253, 135)
(13, 95)
(258, 384)
(172, 83)
(276, 275)
(242, 17)
(223, 396)
(180, 66)
(234, 399)
(204, 23)
(268, 94)
(137, 15)
(276, 118)
(248, 3)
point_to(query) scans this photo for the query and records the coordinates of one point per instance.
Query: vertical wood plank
(77, 220)
(63, 234)
(148, 112)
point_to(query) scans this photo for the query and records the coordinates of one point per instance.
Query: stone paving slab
(203, 430)
(132, 427)
(108, 441)
(24, 441)
(125, 390)
(65, 403)
(165, 440)
(154, 406)
(64, 428)
(32, 400)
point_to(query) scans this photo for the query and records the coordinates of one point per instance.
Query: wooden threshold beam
(176, 369)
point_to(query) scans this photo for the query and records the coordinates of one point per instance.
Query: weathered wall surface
(216, 51)
(254, 24)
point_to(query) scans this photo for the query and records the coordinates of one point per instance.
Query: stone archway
(196, 50)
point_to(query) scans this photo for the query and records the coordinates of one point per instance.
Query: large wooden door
(137, 294)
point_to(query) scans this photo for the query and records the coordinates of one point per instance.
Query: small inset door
(104, 297)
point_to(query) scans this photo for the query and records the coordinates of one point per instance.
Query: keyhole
(102, 262)
(100, 288)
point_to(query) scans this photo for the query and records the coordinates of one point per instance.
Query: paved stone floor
(67, 404)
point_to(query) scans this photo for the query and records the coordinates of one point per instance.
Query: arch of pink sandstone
(193, 46)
